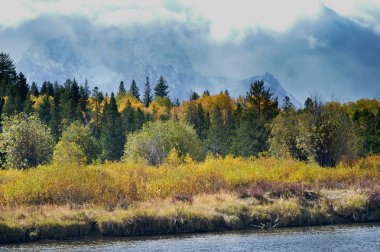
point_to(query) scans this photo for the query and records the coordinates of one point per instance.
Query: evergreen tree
(259, 110)
(7, 69)
(128, 118)
(206, 93)
(13, 102)
(216, 141)
(139, 119)
(177, 102)
(56, 117)
(84, 94)
(194, 96)
(34, 89)
(113, 137)
(22, 87)
(28, 106)
(96, 116)
(161, 89)
(84, 90)
(5, 85)
(121, 89)
(147, 99)
(44, 88)
(50, 89)
(45, 111)
(287, 104)
(134, 90)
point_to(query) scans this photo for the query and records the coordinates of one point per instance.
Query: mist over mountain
(135, 55)
(328, 52)
(114, 57)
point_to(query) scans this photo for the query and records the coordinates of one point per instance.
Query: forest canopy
(152, 126)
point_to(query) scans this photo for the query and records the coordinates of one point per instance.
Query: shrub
(81, 135)
(68, 153)
(26, 141)
(154, 142)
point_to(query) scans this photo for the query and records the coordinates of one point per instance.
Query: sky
(324, 46)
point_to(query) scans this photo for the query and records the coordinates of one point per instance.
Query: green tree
(147, 99)
(161, 89)
(113, 136)
(367, 124)
(216, 142)
(128, 118)
(22, 88)
(82, 136)
(26, 142)
(7, 71)
(156, 139)
(44, 110)
(258, 111)
(121, 90)
(34, 89)
(97, 97)
(194, 96)
(139, 119)
(196, 116)
(68, 153)
(322, 133)
(134, 90)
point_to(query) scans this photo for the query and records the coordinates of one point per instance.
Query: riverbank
(216, 195)
(205, 213)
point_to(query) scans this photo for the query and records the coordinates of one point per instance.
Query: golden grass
(121, 184)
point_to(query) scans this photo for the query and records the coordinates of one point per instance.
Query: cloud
(315, 43)
(226, 20)
(323, 46)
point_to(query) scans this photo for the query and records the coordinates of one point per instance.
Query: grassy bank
(226, 194)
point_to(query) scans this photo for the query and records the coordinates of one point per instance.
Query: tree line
(101, 126)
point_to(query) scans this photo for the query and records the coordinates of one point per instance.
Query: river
(327, 238)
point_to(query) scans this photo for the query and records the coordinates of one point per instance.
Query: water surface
(327, 238)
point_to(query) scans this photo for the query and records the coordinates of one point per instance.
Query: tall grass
(121, 184)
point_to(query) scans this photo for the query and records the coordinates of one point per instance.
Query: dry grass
(120, 184)
(52, 202)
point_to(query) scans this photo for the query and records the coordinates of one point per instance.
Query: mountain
(269, 82)
(115, 58)
(106, 60)
(237, 88)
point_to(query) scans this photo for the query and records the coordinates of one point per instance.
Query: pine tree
(43, 90)
(139, 119)
(134, 90)
(28, 105)
(128, 118)
(206, 93)
(84, 94)
(216, 141)
(287, 104)
(122, 90)
(96, 115)
(34, 89)
(56, 117)
(161, 89)
(13, 102)
(45, 111)
(260, 109)
(22, 87)
(7, 68)
(194, 96)
(147, 99)
(113, 137)
(177, 102)
(50, 89)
